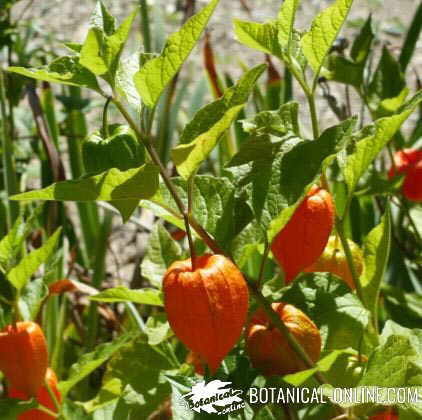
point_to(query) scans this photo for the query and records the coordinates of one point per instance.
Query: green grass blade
(10, 181)
(411, 40)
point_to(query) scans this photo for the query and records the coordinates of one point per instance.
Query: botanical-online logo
(207, 397)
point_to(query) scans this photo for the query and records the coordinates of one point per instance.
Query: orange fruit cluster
(24, 362)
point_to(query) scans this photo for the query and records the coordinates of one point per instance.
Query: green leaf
(125, 207)
(154, 76)
(138, 366)
(404, 308)
(65, 70)
(10, 408)
(102, 20)
(180, 386)
(31, 299)
(277, 123)
(145, 296)
(276, 180)
(317, 42)
(397, 362)
(259, 36)
(286, 20)
(338, 313)
(411, 40)
(112, 185)
(188, 157)
(10, 243)
(203, 132)
(91, 361)
(215, 207)
(103, 45)
(110, 392)
(210, 114)
(19, 275)
(366, 150)
(162, 251)
(387, 84)
(157, 329)
(376, 252)
(336, 367)
(125, 84)
(362, 44)
(342, 70)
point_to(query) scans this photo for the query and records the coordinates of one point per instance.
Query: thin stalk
(47, 102)
(349, 256)
(104, 129)
(314, 117)
(11, 185)
(98, 276)
(135, 314)
(279, 324)
(186, 220)
(153, 154)
(189, 220)
(263, 262)
(47, 411)
(205, 236)
(52, 396)
(146, 30)
(58, 346)
(76, 130)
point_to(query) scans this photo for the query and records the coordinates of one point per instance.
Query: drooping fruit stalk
(303, 239)
(270, 351)
(333, 260)
(207, 307)
(196, 361)
(23, 356)
(43, 397)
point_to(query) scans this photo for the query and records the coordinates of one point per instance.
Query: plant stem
(58, 346)
(279, 324)
(52, 396)
(314, 116)
(146, 32)
(11, 185)
(190, 210)
(205, 236)
(263, 262)
(98, 277)
(135, 314)
(349, 256)
(104, 129)
(47, 411)
(188, 219)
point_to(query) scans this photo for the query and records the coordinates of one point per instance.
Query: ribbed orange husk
(303, 239)
(385, 415)
(269, 350)
(23, 356)
(404, 160)
(412, 185)
(333, 260)
(43, 397)
(206, 308)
